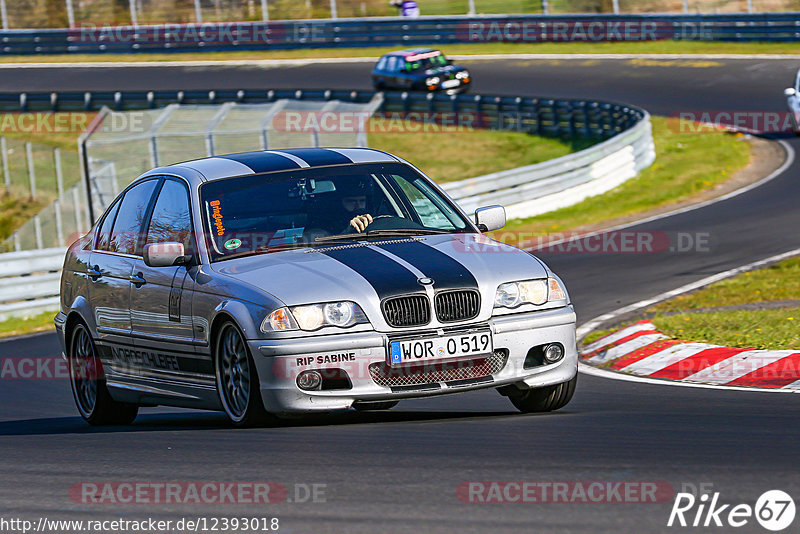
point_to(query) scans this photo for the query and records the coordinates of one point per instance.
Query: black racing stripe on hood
(387, 277)
(446, 272)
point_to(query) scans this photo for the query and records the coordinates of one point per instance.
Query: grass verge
(27, 325)
(686, 164)
(757, 329)
(770, 318)
(451, 154)
(646, 47)
(771, 284)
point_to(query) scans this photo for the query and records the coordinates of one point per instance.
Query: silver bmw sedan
(271, 283)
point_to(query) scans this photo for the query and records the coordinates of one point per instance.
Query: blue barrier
(394, 31)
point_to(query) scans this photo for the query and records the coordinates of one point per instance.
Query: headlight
(432, 81)
(463, 74)
(535, 292)
(314, 317)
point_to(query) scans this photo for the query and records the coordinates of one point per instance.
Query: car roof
(257, 162)
(412, 51)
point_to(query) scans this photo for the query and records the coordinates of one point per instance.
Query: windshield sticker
(233, 244)
(216, 215)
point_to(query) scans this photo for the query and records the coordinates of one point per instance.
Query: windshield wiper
(381, 233)
(264, 250)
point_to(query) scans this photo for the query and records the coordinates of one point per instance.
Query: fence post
(70, 14)
(264, 11)
(77, 203)
(615, 5)
(749, 6)
(685, 7)
(59, 172)
(37, 228)
(134, 18)
(6, 174)
(31, 171)
(4, 14)
(198, 13)
(545, 8)
(334, 14)
(471, 10)
(59, 222)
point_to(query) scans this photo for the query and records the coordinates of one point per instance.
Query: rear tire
(374, 406)
(545, 399)
(237, 379)
(87, 378)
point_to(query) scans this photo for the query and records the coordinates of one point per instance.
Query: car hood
(368, 272)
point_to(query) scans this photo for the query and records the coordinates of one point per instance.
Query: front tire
(89, 390)
(545, 399)
(237, 379)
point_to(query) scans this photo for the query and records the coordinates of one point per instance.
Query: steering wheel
(391, 222)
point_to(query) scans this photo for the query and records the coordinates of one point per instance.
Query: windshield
(427, 60)
(276, 211)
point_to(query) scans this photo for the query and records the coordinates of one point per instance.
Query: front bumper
(280, 361)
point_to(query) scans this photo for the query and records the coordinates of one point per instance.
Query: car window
(392, 66)
(290, 209)
(427, 60)
(104, 233)
(171, 221)
(126, 233)
(432, 214)
(382, 63)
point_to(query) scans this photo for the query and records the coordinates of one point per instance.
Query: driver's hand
(361, 222)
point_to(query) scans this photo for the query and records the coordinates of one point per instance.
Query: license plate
(447, 84)
(440, 348)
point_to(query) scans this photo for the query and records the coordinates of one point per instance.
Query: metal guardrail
(625, 147)
(398, 31)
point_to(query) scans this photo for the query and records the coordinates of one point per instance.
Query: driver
(352, 205)
(357, 205)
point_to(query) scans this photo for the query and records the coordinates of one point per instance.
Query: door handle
(94, 272)
(137, 279)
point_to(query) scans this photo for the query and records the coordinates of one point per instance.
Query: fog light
(554, 352)
(309, 380)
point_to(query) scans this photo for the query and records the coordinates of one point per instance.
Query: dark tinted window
(104, 233)
(290, 209)
(171, 221)
(125, 236)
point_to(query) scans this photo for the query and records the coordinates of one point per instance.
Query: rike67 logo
(774, 510)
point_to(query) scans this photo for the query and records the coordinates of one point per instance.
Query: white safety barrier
(29, 282)
(565, 181)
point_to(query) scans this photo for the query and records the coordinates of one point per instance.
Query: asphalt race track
(398, 471)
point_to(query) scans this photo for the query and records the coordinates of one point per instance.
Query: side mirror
(789, 91)
(165, 254)
(490, 218)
